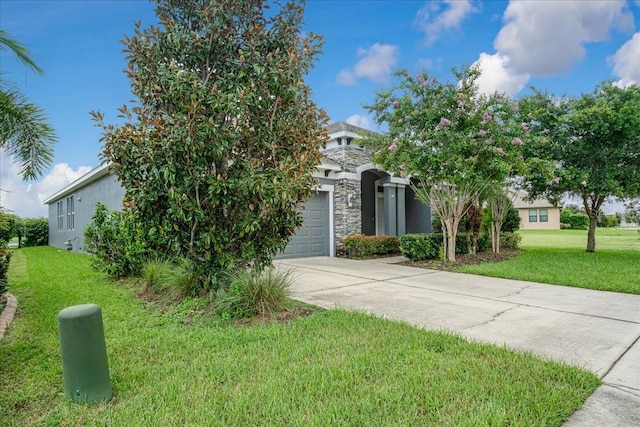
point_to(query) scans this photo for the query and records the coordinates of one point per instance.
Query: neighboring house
(537, 214)
(353, 197)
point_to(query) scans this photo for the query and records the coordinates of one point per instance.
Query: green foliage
(114, 239)
(579, 221)
(609, 220)
(359, 246)
(170, 280)
(456, 140)
(565, 215)
(565, 226)
(510, 222)
(5, 259)
(24, 131)
(36, 231)
(8, 226)
(218, 154)
(593, 142)
(417, 247)
(510, 240)
(253, 293)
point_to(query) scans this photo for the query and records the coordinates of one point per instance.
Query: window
(533, 215)
(70, 214)
(60, 215)
(544, 215)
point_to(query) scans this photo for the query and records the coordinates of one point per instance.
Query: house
(538, 214)
(353, 196)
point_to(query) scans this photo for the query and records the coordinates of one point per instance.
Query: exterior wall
(368, 194)
(348, 207)
(418, 214)
(553, 222)
(106, 190)
(348, 156)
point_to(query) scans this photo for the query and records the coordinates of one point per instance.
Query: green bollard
(84, 354)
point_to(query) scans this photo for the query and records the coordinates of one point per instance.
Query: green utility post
(84, 354)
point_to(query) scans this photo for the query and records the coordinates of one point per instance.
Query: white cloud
(25, 199)
(436, 18)
(496, 76)
(626, 62)
(359, 120)
(546, 38)
(376, 64)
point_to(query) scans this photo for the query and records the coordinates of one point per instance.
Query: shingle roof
(520, 203)
(347, 127)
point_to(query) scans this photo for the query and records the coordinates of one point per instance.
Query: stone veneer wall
(348, 219)
(348, 156)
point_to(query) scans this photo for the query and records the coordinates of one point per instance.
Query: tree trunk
(496, 226)
(451, 245)
(591, 235)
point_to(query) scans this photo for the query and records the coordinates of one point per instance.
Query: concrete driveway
(595, 330)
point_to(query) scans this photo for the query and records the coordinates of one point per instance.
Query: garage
(312, 239)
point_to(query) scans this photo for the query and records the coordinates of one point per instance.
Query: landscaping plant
(217, 154)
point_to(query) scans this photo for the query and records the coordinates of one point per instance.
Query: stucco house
(353, 196)
(538, 214)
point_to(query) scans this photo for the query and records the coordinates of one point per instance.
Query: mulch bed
(466, 259)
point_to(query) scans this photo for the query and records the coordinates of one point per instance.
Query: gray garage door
(312, 239)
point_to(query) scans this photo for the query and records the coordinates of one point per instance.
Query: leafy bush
(579, 221)
(510, 222)
(252, 293)
(428, 245)
(5, 258)
(171, 280)
(359, 246)
(417, 247)
(609, 220)
(565, 216)
(36, 231)
(564, 226)
(114, 239)
(510, 240)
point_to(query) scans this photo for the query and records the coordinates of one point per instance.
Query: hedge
(359, 246)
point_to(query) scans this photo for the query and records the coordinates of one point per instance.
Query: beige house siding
(552, 223)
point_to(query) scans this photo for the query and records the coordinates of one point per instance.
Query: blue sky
(565, 47)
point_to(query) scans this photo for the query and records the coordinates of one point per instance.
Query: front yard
(558, 257)
(181, 367)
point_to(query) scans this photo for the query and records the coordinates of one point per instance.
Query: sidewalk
(598, 331)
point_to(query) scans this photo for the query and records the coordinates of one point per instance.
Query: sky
(564, 47)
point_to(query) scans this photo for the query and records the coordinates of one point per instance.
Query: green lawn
(558, 257)
(332, 368)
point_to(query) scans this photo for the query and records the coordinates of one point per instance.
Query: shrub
(359, 246)
(5, 258)
(252, 293)
(510, 240)
(564, 226)
(36, 231)
(579, 221)
(510, 222)
(171, 280)
(114, 239)
(418, 247)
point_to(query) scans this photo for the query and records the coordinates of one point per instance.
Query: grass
(559, 257)
(332, 368)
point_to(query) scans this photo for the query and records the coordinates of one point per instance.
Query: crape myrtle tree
(218, 152)
(456, 141)
(593, 141)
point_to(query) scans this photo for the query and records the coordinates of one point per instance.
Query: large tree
(24, 131)
(456, 141)
(593, 141)
(218, 153)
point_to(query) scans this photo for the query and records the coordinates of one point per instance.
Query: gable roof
(520, 203)
(346, 127)
(86, 179)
